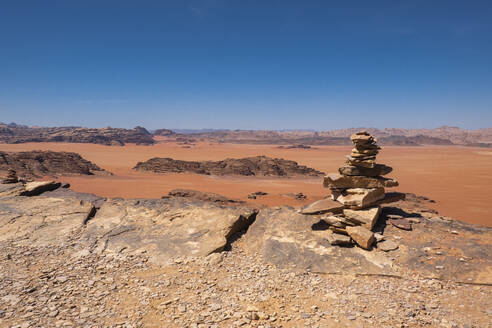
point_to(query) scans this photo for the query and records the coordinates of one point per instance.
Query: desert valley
(124, 228)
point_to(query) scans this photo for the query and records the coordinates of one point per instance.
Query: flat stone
(367, 163)
(165, 228)
(337, 221)
(361, 138)
(365, 152)
(366, 217)
(339, 239)
(323, 206)
(378, 169)
(360, 197)
(403, 224)
(38, 187)
(338, 181)
(387, 245)
(42, 221)
(362, 236)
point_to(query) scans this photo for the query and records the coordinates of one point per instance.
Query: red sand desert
(457, 178)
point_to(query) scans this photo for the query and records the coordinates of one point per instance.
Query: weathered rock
(362, 236)
(387, 245)
(249, 166)
(366, 217)
(359, 197)
(287, 239)
(338, 181)
(361, 162)
(403, 224)
(11, 177)
(361, 138)
(11, 189)
(338, 221)
(323, 206)
(202, 196)
(165, 228)
(104, 136)
(339, 239)
(378, 169)
(42, 163)
(38, 187)
(41, 221)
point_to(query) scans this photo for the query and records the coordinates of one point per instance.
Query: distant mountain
(13, 133)
(390, 136)
(445, 135)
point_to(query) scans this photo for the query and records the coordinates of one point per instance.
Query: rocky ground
(13, 133)
(257, 166)
(77, 260)
(30, 164)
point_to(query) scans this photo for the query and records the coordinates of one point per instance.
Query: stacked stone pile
(11, 177)
(359, 187)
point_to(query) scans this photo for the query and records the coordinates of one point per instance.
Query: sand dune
(457, 178)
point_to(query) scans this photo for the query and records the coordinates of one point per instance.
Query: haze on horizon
(246, 65)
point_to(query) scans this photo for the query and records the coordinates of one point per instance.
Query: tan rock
(362, 236)
(367, 217)
(338, 239)
(323, 206)
(338, 181)
(360, 197)
(387, 245)
(361, 138)
(378, 169)
(38, 187)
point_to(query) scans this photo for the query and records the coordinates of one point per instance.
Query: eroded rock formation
(13, 133)
(249, 166)
(30, 164)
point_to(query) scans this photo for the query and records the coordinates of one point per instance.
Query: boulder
(378, 169)
(165, 228)
(362, 236)
(366, 217)
(323, 206)
(338, 181)
(359, 197)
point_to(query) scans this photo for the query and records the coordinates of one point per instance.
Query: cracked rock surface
(76, 260)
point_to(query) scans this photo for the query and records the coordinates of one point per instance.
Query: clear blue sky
(246, 64)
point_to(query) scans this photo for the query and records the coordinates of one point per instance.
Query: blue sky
(246, 64)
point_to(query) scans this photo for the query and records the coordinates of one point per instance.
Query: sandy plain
(457, 178)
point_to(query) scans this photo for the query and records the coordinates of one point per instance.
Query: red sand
(457, 178)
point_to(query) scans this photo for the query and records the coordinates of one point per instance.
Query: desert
(141, 248)
(253, 164)
(441, 173)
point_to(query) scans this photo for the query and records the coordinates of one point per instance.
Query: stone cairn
(11, 177)
(359, 187)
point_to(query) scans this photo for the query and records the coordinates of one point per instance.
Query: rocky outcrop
(249, 166)
(436, 248)
(13, 133)
(164, 133)
(179, 227)
(29, 164)
(202, 196)
(165, 228)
